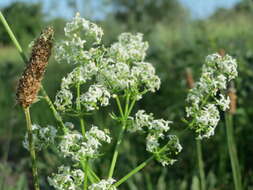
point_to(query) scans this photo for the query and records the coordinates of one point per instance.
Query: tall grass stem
(32, 149)
(201, 167)
(233, 152)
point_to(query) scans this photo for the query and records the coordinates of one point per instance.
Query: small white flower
(42, 137)
(63, 99)
(77, 147)
(95, 95)
(77, 32)
(103, 185)
(67, 179)
(129, 48)
(223, 102)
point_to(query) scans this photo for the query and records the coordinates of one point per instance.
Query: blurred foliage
(176, 43)
(24, 19)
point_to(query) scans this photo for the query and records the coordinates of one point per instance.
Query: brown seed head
(232, 97)
(29, 83)
(189, 78)
(222, 52)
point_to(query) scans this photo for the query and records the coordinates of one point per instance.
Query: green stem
(78, 107)
(92, 174)
(32, 149)
(124, 117)
(142, 165)
(201, 165)
(13, 38)
(55, 113)
(116, 152)
(85, 186)
(134, 171)
(119, 106)
(233, 152)
(127, 103)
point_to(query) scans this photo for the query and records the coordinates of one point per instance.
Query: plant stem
(134, 171)
(233, 152)
(32, 149)
(142, 165)
(201, 165)
(119, 106)
(85, 186)
(124, 117)
(13, 38)
(78, 107)
(92, 174)
(116, 152)
(55, 113)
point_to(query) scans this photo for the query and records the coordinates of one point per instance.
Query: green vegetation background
(176, 43)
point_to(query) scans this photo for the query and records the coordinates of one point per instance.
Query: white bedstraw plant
(102, 74)
(42, 137)
(209, 93)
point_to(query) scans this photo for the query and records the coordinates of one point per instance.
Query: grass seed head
(29, 83)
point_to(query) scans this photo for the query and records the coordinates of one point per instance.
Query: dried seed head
(222, 52)
(29, 83)
(232, 97)
(189, 78)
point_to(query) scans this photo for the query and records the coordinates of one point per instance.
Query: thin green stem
(78, 107)
(119, 106)
(13, 38)
(124, 117)
(141, 166)
(55, 113)
(91, 175)
(94, 177)
(201, 165)
(233, 152)
(85, 186)
(134, 171)
(116, 152)
(32, 149)
(131, 107)
(127, 103)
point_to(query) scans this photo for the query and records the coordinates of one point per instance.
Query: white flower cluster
(78, 147)
(118, 68)
(80, 75)
(42, 137)
(139, 77)
(156, 129)
(103, 185)
(126, 69)
(95, 94)
(216, 73)
(67, 179)
(129, 48)
(77, 31)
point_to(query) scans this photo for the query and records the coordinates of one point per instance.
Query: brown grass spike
(29, 83)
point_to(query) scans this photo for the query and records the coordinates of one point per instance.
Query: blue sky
(198, 8)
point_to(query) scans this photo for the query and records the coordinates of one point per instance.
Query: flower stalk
(231, 141)
(32, 149)
(124, 117)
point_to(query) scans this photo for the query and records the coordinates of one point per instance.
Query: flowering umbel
(29, 83)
